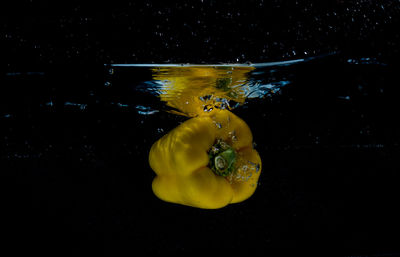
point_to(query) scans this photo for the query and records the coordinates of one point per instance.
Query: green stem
(222, 158)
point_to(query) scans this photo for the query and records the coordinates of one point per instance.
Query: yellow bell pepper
(207, 162)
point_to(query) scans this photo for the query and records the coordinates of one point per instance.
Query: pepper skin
(181, 160)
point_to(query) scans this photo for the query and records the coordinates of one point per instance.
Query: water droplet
(232, 135)
(219, 125)
(144, 110)
(214, 150)
(344, 97)
(80, 106)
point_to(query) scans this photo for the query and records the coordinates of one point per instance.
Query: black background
(76, 181)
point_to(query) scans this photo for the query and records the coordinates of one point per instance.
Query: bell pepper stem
(222, 159)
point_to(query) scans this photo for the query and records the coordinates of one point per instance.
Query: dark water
(75, 174)
(74, 139)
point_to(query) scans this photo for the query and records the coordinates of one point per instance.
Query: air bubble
(214, 150)
(232, 134)
(219, 125)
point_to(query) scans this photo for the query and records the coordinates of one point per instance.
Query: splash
(192, 91)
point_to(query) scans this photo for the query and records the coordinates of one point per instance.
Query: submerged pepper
(206, 162)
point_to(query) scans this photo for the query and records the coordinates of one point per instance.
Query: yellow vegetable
(206, 162)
